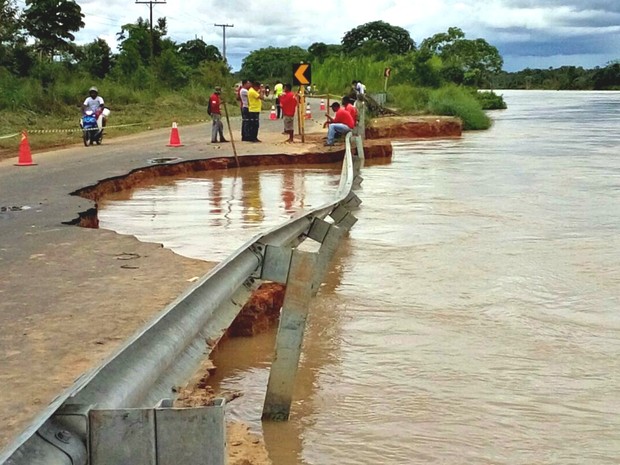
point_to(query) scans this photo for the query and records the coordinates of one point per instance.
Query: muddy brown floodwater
(471, 315)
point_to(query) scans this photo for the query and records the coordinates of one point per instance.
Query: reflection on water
(473, 313)
(209, 217)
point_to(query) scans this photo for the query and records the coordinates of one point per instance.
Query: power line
(224, 26)
(150, 4)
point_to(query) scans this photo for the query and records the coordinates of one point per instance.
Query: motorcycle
(92, 126)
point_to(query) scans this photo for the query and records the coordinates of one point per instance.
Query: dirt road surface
(68, 298)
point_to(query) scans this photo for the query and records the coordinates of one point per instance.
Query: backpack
(209, 107)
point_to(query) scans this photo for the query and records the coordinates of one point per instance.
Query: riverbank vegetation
(152, 80)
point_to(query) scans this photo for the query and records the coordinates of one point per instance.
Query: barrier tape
(51, 131)
(10, 135)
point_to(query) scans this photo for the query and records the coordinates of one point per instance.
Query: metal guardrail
(167, 352)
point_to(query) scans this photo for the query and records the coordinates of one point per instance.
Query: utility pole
(150, 3)
(224, 26)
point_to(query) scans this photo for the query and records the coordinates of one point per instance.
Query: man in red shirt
(347, 103)
(216, 115)
(341, 123)
(288, 103)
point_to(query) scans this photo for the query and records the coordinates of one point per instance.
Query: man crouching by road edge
(341, 123)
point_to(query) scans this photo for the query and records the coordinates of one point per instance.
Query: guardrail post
(158, 436)
(299, 288)
(343, 217)
(329, 235)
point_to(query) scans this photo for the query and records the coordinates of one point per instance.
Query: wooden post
(302, 114)
(230, 134)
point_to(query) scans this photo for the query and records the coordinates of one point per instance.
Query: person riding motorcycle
(94, 103)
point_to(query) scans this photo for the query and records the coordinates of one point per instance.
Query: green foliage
(135, 44)
(319, 51)
(489, 100)
(9, 23)
(194, 52)
(409, 99)
(456, 101)
(335, 74)
(208, 75)
(563, 78)
(96, 58)
(608, 77)
(52, 23)
(469, 62)
(377, 38)
(427, 70)
(436, 43)
(272, 63)
(170, 69)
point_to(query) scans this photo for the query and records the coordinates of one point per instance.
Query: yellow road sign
(302, 74)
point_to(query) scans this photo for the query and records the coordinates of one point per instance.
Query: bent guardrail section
(120, 401)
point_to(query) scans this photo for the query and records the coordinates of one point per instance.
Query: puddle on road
(210, 215)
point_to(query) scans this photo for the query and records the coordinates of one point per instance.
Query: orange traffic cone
(308, 112)
(322, 107)
(272, 115)
(175, 140)
(25, 156)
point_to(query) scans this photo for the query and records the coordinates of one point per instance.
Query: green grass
(150, 113)
(455, 101)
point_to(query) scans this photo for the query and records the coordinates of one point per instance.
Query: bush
(490, 100)
(409, 99)
(455, 101)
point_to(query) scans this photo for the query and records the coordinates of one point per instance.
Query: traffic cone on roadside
(175, 140)
(272, 115)
(25, 156)
(322, 107)
(308, 112)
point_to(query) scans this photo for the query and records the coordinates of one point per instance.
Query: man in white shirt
(94, 103)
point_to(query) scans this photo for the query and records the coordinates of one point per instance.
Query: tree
(9, 22)
(436, 43)
(52, 23)
(470, 62)
(378, 37)
(272, 63)
(477, 58)
(96, 58)
(14, 53)
(607, 77)
(319, 51)
(196, 51)
(136, 38)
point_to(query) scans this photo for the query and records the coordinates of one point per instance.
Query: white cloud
(552, 27)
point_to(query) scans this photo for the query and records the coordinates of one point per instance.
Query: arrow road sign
(302, 74)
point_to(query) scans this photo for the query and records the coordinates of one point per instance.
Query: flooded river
(472, 315)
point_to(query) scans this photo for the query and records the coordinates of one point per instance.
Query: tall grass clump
(335, 74)
(408, 99)
(456, 101)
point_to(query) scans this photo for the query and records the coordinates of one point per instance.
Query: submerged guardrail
(121, 411)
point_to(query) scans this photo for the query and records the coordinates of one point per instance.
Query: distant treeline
(564, 78)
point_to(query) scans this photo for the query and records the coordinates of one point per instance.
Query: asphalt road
(67, 297)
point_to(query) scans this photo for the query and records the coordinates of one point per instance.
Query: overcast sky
(528, 33)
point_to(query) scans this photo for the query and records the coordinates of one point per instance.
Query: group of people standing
(250, 96)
